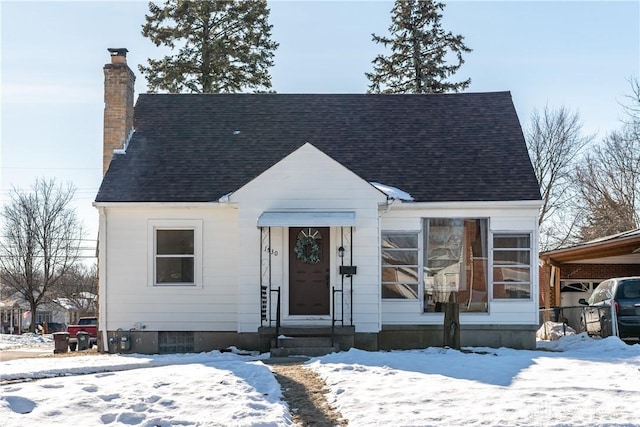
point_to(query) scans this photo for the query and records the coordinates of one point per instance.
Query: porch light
(341, 251)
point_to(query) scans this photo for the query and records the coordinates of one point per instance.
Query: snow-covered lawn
(581, 382)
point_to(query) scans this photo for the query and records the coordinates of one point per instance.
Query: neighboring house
(225, 214)
(572, 273)
(15, 314)
(11, 314)
(80, 305)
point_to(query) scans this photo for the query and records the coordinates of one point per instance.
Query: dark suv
(618, 299)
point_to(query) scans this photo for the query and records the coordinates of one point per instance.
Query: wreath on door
(307, 249)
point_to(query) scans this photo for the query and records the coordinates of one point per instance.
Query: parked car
(85, 324)
(56, 327)
(613, 308)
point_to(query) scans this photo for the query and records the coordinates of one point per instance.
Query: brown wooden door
(309, 287)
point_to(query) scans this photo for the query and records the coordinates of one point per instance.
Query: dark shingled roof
(441, 147)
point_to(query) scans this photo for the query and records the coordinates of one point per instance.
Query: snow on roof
(393, 192)
(65, 303)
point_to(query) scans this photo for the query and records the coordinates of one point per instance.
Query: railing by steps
(277, 291)
(345, 272)
(335, 291)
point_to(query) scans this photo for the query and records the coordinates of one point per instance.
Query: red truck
(85, 324)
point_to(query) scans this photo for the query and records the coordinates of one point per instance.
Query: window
(174, 248)
(455, 264)
(400, 265)
(176, 342)
(577, 286)
(602, 293)
(512, 266)
(174, 256)
(43, 317)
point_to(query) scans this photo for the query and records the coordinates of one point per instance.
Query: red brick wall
(598, 272)
(591, 272)
(545, 276)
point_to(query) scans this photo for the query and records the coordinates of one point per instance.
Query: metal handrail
(277, 290)
(334, 291)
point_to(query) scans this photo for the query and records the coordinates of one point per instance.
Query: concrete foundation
(392, 337)
(397, 337)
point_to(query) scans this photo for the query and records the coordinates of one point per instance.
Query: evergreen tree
(421, 52)
(222, 46)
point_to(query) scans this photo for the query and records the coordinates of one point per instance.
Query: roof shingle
(443, 147)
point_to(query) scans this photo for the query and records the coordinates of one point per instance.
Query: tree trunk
(34, 313)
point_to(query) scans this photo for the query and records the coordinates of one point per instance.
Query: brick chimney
(119, 83)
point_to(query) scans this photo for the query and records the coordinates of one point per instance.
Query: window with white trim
(511, 266)
(174, 252)
(174, 256)
(455, 263)
(400, 258)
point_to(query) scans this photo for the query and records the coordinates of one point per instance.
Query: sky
(573, 381)
(578, 54)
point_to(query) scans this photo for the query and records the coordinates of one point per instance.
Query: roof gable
(304, 170)
(441, 147)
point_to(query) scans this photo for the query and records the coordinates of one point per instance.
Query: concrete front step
(307, 330)
(308, 340)
(302, 342)
(302, 351)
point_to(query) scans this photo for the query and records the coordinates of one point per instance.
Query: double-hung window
(511, 266)
(175, 256)
(175, 248)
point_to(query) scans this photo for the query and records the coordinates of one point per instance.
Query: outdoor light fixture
(341, 251)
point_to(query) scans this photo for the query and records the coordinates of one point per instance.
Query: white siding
(131, 299)
(309, 180)
(227, 293)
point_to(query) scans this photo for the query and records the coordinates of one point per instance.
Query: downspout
(102, 277)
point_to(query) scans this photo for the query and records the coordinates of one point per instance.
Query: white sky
(573, 53)
(582, 382)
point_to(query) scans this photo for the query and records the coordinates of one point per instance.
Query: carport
(587, 263)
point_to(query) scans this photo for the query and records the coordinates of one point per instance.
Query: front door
(309, 271)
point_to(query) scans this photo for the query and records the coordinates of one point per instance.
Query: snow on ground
(574, 381)
(29, 340)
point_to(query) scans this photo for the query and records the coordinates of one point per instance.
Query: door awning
(307, 219)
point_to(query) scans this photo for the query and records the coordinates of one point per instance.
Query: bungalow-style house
(15, 315)
(230, 219)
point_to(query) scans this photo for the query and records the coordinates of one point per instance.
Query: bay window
(456, 260)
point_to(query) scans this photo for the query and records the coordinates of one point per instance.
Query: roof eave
(601, 249)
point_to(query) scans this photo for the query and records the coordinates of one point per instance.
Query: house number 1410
(270, 251)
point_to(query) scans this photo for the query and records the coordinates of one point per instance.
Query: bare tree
(554, 139)
(632, 107)
(40, 241)
(79, 286)
(609, 178)
(609, 183)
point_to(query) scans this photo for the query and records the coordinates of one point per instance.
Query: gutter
(508, 204)
(143, 205)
